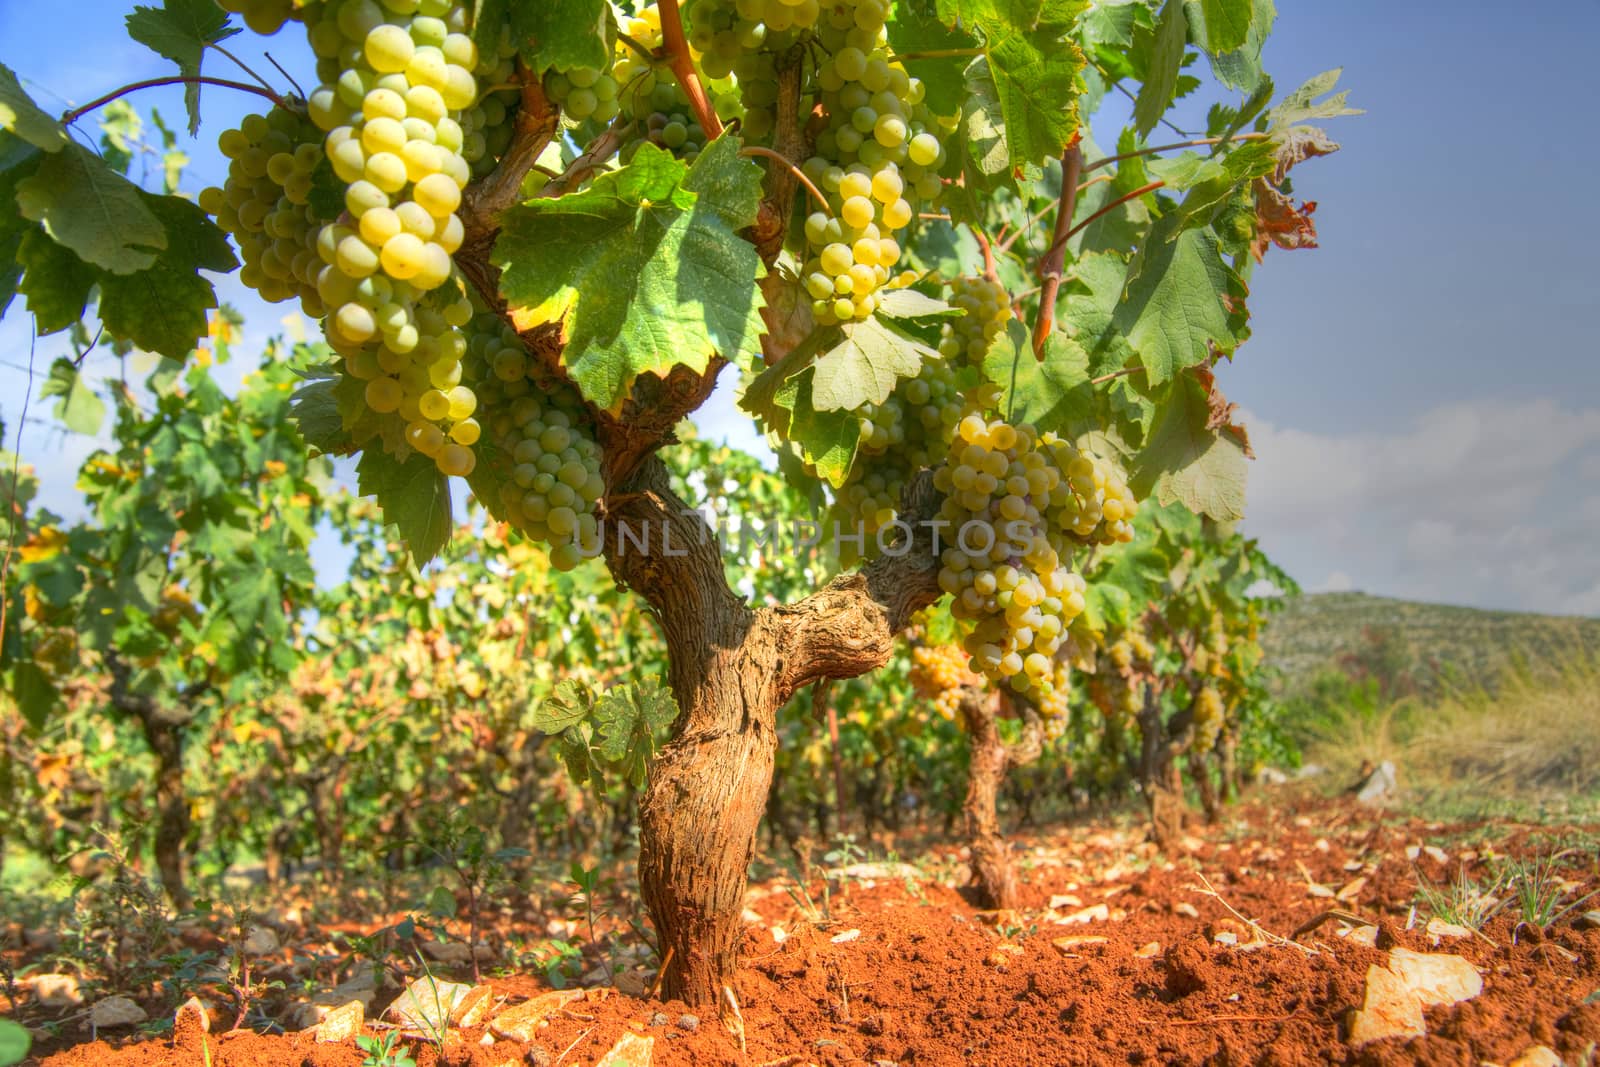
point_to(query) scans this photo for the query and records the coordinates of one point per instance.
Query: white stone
(1436, 978)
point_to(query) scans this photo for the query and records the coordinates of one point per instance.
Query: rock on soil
(1435, 978)
(1390, 1009)
(341, 1023)
(116, 1011)
(56, 990)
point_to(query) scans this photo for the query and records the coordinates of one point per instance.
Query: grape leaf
(627, 719)
(93, 210)
(1052, 395)
(917, 28)
(56, 282)
(414, 496)
(1175, 308)
(1303, 104)
(864, 367)
(827, 439)
(10, 265)
(180, 30)
(1161, 77)
(1088, 308)
(78, 409)
(20, 115)
(1241, 68)
(910, 304)
(1219, 26)
(1202, 469)
(315, 410)
(562, 35)
(163, 309)
(567, 705)
(645, 269)
(1035, 71)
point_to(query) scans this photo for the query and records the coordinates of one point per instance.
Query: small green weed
(382, 1051)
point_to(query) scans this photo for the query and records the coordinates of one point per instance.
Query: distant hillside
(1428, 643)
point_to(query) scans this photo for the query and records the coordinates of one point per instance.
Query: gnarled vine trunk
(994, 876)
(164, 733)
(732, 669)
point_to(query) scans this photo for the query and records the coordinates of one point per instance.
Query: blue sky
(1423, 390)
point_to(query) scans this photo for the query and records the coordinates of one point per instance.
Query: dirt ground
(1121, 955)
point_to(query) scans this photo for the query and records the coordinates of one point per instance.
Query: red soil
(929, 981)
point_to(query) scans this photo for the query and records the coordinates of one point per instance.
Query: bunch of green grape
(877, 162)
(398, 78)
(1208, 716)
(907, 432)
(940, 673)
(547, 460)
(988, 309)
(265, 205)
(1098, 507)
(489, 124)
(1003, 572)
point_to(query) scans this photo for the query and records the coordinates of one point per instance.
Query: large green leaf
(1033, 64)
(562, 35)
(827, 439)
(55, 282)
(917, 28)
(78, 409)
(414, 497)
(20, 115)
(1219, 26)
(865, 366)
(93, 210)
(1187, 462)
(163, 309)
(1241, 68)
(1165, 61)
(180, 30)
(645, 269)
(1175, 308)
(1054, 394)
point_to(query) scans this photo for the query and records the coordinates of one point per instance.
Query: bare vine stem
(242, 65)
(683, 70)
(1198, 142)
(1108, 208)
(778, 157)
(1004, 245)
(1055, 258)
(176, 79)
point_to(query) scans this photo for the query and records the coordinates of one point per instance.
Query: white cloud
(1470, 504)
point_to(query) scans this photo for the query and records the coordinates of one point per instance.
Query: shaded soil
(888, 969)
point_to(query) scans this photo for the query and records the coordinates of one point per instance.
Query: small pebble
(658, 1019)
(690, 1023)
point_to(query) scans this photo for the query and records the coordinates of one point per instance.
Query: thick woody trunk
(163, 732)
(1228, 766)
(994, 880)
(731, 669)
(1200, 774)
(994, 876)
(1158, 773)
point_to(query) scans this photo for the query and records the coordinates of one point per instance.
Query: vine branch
(683, 69)
(1055, 258)
(1112, 206)
(1198, 142)
(176, 79)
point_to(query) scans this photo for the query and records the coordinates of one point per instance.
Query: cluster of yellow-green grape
(398, 80)
(1004, 572)
(1208, 714)
(1099, 507)
(987, 307)
(548, 463)
(1117, 691)
(907, 432)
(940, 672)
(265, 205)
